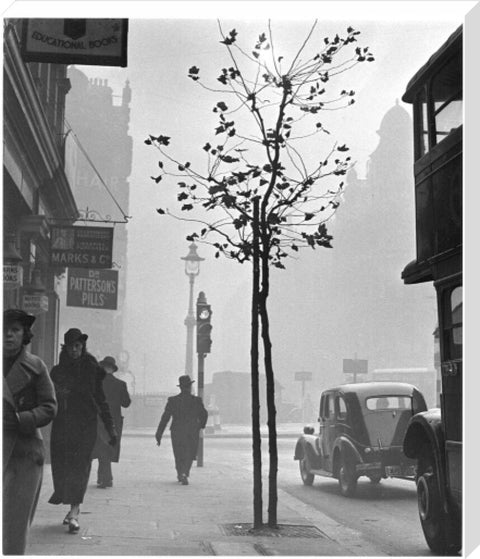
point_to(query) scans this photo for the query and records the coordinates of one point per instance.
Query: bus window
(421, 118)
(447, 99)
(453, 324)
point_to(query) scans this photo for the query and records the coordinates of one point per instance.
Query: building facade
(36, 191)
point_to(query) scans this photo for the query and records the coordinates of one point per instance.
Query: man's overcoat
(188, 417)
(117, 396)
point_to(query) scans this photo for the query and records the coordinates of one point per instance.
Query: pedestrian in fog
(78, 384)
(188, 417)
(28, 403)
(117, 396)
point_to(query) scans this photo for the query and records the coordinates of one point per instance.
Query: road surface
(384, 514)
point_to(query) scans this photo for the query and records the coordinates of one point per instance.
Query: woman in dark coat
(78, 385)
(28, 403)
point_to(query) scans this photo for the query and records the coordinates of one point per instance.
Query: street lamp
(192, 269)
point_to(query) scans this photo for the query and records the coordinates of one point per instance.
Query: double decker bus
(434, 437)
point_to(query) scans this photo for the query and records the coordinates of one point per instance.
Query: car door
(329, 429)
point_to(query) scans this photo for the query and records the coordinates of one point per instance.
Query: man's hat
(17, 315)
(185, 380)
(109, 362)
(74, 335)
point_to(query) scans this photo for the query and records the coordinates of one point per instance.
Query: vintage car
(362, 427)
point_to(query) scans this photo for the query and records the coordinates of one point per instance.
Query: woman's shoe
(66, 520)
(73, 526)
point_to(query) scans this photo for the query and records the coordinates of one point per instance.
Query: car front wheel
(306, 476)
(347, 477)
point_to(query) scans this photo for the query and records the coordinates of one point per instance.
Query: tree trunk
(256, 437)
(272, 427)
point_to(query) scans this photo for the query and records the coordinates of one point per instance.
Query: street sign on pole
(355, 367)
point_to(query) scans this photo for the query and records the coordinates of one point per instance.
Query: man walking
(188, 417)
(117, 396)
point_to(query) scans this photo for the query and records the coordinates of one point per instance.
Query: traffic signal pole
(204, 342)
(201, 364)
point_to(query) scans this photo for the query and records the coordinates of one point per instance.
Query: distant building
(334, 303)
(230, 392)
(99, 148)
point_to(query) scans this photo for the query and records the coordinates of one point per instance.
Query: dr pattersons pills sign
(93, 289)
(81, 247)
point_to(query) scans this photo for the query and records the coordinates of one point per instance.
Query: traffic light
(204, 328)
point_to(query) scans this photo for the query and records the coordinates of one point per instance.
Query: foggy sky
(164, 100)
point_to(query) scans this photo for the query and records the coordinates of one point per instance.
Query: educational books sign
(75, 41)
(81, 247)
(93, 289)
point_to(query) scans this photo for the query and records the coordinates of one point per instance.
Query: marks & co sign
(81, 247)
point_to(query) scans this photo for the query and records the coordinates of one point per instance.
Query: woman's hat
(17, 315)
(74, 335)
(185, 380)
(109, 362)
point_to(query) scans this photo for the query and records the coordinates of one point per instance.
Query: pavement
(147, 512)
(284, 430)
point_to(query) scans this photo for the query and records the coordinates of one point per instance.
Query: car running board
(323, 473)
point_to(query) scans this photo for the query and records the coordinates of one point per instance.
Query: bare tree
(270, 161)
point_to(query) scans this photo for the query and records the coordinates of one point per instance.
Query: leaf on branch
(219, 129)
(309, 216)
(294, 247)
(157, 179)
(182, 196)
(342, 148)
(221, 105)
(193, 73)
(207, 147)
(255, 54)
(229, 159)
(187, 207)
(232, 37)
(160, 211)
(148, 142)
(163, 140)
(160, 164)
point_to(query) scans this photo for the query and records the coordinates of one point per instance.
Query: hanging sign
(12, 276)
(81, 247)
(75, 41)
(93, 289)
(35, 303)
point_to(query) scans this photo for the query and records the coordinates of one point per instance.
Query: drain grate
(283, 531)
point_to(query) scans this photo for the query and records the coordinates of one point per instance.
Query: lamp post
(192, 269)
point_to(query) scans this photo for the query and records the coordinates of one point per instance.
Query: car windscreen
(389, 403)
